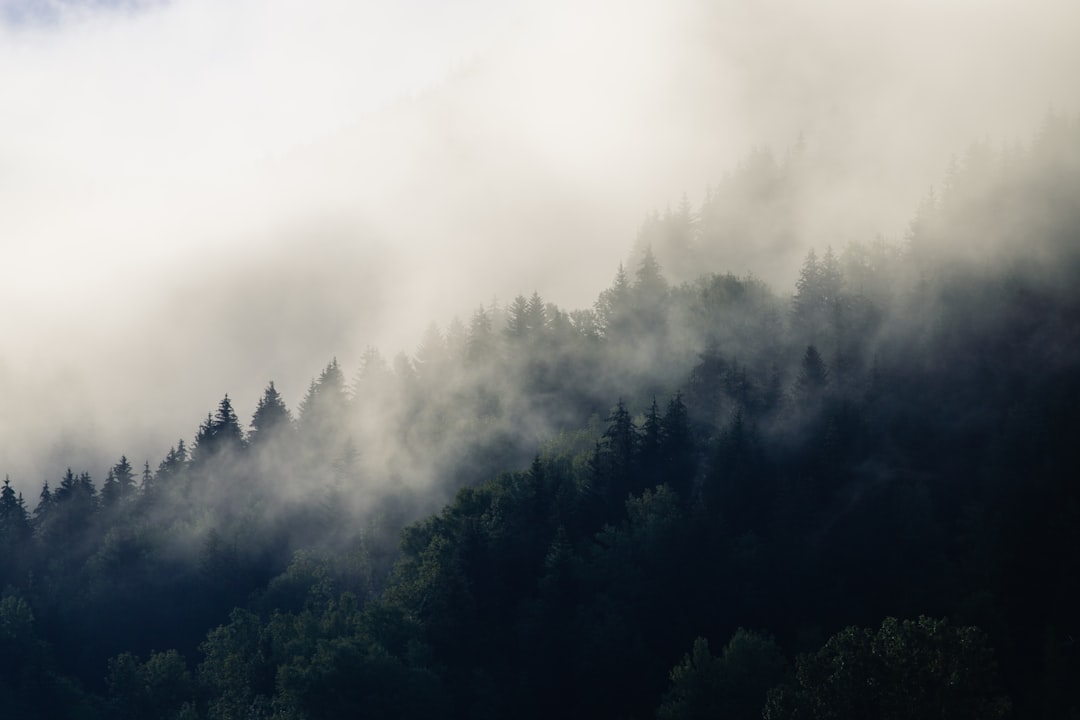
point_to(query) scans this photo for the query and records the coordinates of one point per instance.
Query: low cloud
(197, 197)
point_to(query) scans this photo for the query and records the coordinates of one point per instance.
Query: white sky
(199, 196)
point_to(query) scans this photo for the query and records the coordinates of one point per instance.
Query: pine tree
(457, 341)
(677, 448)
(173, 463)
(43, 511)
(620, 451)
(271, 419)
(219, 434)
(613, 307)
(651, 432)
(324, 411)
(431, 356)
(14, 520)
(480, 342)
(517, 321)
(649, 284)
(806, 304)
(110, 492)
(536, 314)
(813, 376)
(371, 378)
(125, 478)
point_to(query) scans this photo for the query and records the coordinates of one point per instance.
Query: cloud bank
(198, 197)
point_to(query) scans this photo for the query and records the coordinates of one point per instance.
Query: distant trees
(731, 685)
(906, 670)
(818, 303)
(219, 434)
(271, 421)
(118, 490)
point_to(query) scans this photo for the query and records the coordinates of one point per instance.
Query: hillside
(856, 491)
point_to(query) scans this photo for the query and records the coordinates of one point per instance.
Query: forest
(701, 497)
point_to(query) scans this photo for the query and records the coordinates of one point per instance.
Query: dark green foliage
(220, 434)
(732, 685)
(904, 671)
(271, 420)
(14, 519)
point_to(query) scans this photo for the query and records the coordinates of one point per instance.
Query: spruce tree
(271, 418)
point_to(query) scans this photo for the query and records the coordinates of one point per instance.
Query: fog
(198, 197)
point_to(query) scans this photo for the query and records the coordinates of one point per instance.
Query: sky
(198, 197)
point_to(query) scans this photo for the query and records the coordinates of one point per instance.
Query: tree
(173, 464)
(677, 448)
(650, 288)
(271, 419)
(457, 341)
(613, 307)
(431, 356)
(110, 495)
(813, 376)
(43, 510)
(480, 341)
(517, 321)
(162, 687)
(219, 434)
(650, 444)
(14, 520)
(119, 486)
(806, 305)
(323, 411)
(613, 470)
(371, 378)
(733, 685)
(906, 670)
(536, 314)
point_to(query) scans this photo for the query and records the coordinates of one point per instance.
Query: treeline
(724, 499)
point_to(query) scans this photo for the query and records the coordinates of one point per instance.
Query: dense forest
(700, 497)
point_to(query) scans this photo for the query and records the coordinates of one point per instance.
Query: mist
(199, 197)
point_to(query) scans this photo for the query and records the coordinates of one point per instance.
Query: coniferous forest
(701, 497)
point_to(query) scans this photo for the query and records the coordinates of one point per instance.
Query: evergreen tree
(219, 434)
(457, 341)
(733, 685)
(619, 454)
(271, 419)
(813, 376)
(125, 479)
(807, 304)
(43, 511)
(173, 464)
(614, 306)
(651, 441)
(480, 342)
(371, 378)
(517, 321)
(650, 288)
(677, 448)
(110, 492)
(536, 314)
(14, 520)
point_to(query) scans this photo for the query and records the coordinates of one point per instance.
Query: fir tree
(271, 418)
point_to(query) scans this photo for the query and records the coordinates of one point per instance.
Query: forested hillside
(700, 497)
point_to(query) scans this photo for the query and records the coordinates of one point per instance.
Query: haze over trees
(700, 497)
